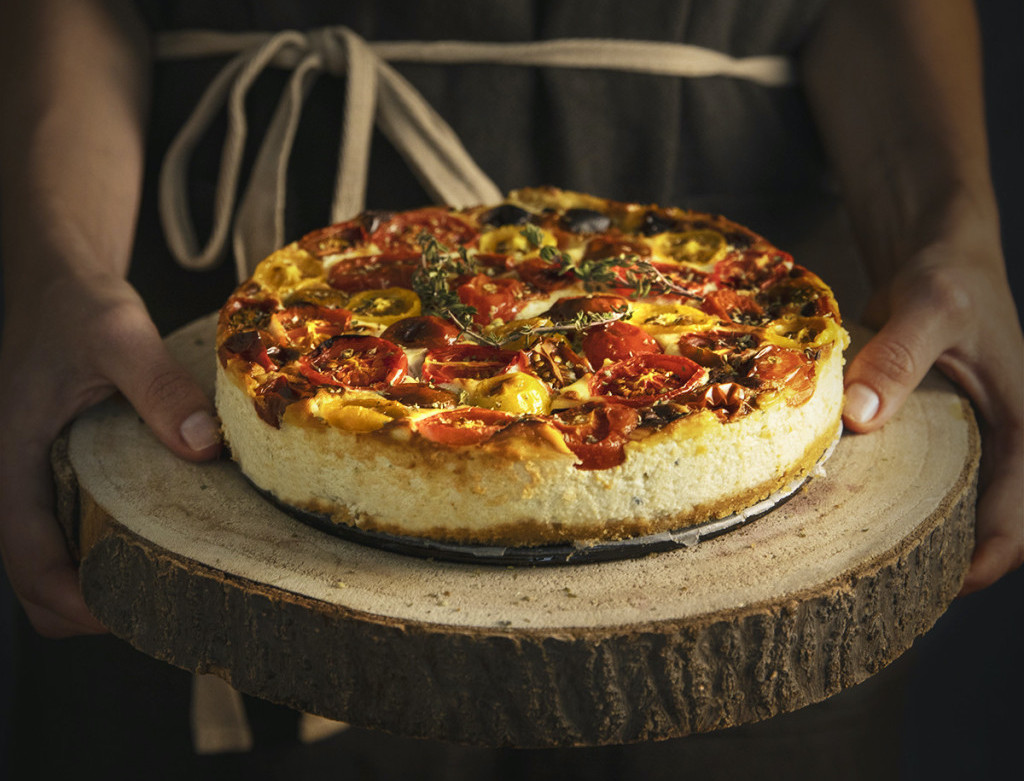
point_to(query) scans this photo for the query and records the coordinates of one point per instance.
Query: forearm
(75, 76)
(896, 88)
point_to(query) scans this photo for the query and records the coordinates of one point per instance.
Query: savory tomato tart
(555, 368)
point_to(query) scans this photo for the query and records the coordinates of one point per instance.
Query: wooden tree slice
(190, 565)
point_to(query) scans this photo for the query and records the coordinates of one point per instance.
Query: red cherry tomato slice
(402, 231)
(753, 270)
(553, 360)
(565, 309)
(422, 331)
(247, 345)
(730, 305)
(617, 341)
(468, 362)
(373, 272)
(494, 298)
(463, 426)
(708, 348)
(596, 434)
(544, 276)
(334, 238)
(781, 368)
(352, 361)
(647, 379)
(305, 325)
(419, 394)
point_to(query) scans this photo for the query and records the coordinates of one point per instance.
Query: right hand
(68, 348)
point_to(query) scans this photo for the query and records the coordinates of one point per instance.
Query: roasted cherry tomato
(752, 270)
(247, 345)
(648, 378)
(545, 276)
(518, 393)
(374, 272)
(468, 362)
(422, 331)
(420, 394)
(352, 361)
(463, 426)
(402, 231)
(494, 298)
(708, 347)
(730, 305)
(602, 247)
(565, 309)
(384, 307)
(780, 368)
(272, 398)
(802, 295)
(243, 313)
(699, 247)
(554, 361)
(303, 326)
(617, 341)
(596, 434)
(334, 239)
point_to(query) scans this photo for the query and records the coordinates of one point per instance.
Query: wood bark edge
(542, 688)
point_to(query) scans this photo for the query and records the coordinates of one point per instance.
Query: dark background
(965, 712)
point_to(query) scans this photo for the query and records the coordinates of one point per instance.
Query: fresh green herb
(431, 280)
(624, 271)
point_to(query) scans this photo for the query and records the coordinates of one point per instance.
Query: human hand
(951, 307)
(72, 345)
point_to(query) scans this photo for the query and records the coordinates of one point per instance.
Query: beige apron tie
(376, 95)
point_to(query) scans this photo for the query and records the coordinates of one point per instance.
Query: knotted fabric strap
(376, 94)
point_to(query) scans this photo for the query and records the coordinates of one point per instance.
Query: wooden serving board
(190, 565)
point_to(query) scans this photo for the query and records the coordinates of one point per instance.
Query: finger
(890, 366)
(164, 394)
(36, 557)
(999, 525)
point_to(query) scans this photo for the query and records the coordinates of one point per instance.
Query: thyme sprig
(624, 271)
(438, 265)
(431, 280)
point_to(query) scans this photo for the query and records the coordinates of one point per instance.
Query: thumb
(164, 394)
(890, 366)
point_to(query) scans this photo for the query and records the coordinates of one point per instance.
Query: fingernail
(861, 404)
(200, 430)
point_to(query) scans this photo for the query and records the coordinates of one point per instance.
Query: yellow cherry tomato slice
(384, 307)
(701, 248)
(517, 393)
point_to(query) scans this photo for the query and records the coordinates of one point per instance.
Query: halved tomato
(789, 371)
(730, 305)
(565, 309)
(373, 272)
(753, 270)
(334, 238)
(247, 345)
(597, 434)
(420, 394)
(353, 361)
(428, 331)
(544, 275)
(384, 307)
(304, 326)
(553, 360)
(463, 426)
(617, 341)
(469, 362)
(647, 379)
(402, 231)
(494, 298)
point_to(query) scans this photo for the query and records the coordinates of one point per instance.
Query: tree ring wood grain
(190, 565)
